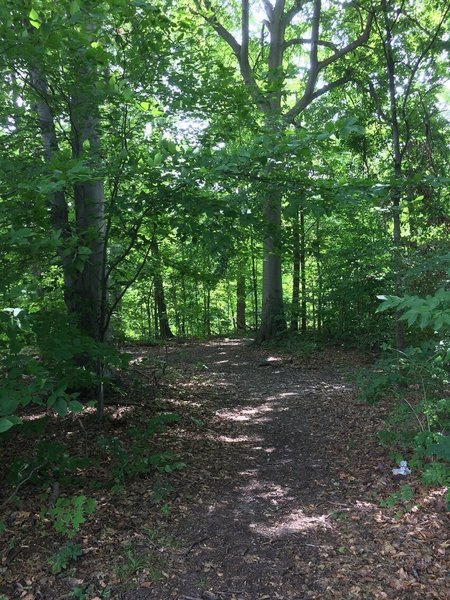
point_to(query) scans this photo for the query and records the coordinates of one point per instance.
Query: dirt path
(280, 499)
(281, 496)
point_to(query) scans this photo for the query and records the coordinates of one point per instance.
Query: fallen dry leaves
(280, 500)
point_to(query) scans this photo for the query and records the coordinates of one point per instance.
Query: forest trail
(281, 496)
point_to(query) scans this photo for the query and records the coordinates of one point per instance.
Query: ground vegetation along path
(281, 497)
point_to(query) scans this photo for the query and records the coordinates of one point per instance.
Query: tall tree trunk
(319, 282)
(155, 315)
(240, 303)
(90, 294)
(148, 311)
(295, 272)
(184, 300)
(84, 269)
(272, 319)
(303, 268)
(175, 305)
(313, 304)
(254, 281)
(396, 190)
(230, 313)
(88, 286)
(160, 300)
(59, 212)
(206, 310)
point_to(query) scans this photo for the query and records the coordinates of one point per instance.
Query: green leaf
(34, 19)
(8, 422)
(60, 407)
(439, 323)
(441, 449)
(75, 406)
(74, 7)
(8, 406)
(84, 251)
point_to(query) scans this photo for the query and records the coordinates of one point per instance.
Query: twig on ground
(19, 485)
(196, 543)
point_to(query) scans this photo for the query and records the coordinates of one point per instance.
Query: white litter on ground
(402, 470)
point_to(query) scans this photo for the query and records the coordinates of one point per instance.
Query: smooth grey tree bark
(83, 270)
(89, 285)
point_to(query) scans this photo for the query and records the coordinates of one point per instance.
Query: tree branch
(421, 58)
(376, 100)
(241, 52)
(290, 14)
(331, 86)
(298, 41)
(245, 32)
(313, 66)
(122, 293)
(269, 9)
(217, 26)
(362, 39)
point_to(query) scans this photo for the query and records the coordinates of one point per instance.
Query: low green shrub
(45, 360)
(418, 378)
(68, 514)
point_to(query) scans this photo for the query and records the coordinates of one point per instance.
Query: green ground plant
(133, 562)
(133, 456)
(64, 556)
(68, 514)
(418, 428)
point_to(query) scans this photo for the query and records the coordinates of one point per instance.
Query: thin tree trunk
(183, 313)
(59, 212)
(155, 314)
(160, 300)
(396, 190)
(148, 312)
(230, 313)
(296, 272)
(313, 302)
(303, 268)
(319, 281)
(207, 310)
(254, 282)
(240, 303)
(175, 305)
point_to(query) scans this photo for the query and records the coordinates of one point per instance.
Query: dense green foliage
(418, 378)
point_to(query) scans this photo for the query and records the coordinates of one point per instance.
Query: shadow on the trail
(275, 459)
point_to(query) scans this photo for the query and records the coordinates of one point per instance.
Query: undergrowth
(417, 378)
